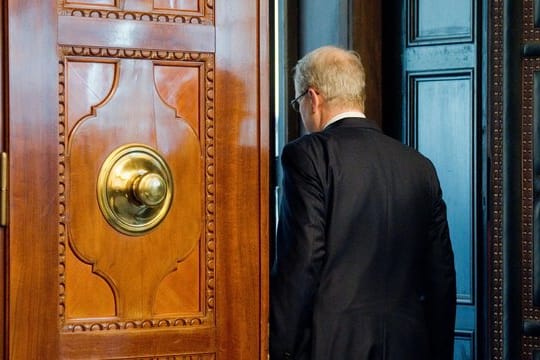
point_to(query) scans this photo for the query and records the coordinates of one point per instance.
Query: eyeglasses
(295, 103)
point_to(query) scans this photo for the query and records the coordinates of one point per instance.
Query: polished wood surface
(133, 114)
(191, 85)
(239, 138)
(33, 152)
(134, 34)
(177, 4)
(141, 345)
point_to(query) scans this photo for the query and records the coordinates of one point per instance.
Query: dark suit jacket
(364, 266)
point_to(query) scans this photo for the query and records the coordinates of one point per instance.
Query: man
(364, 266)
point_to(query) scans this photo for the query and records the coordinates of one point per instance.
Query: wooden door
(102, 271)
(433, 100)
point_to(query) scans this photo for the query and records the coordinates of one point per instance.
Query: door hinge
(3, 189)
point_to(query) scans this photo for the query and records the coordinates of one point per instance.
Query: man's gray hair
(337, 74)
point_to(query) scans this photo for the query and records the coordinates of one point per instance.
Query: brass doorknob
(150, 189)
(134, 189)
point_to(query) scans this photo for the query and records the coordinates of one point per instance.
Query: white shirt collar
(348, 114)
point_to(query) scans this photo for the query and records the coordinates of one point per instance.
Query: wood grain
(134, 34)
(135, 114)
(33, 152)
(238, 194)
(198, 93)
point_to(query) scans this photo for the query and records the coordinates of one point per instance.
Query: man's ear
(315, 100)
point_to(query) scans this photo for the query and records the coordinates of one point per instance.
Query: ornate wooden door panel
(133, 113)
(138, 147)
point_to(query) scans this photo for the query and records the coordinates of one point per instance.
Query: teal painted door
(433, 85)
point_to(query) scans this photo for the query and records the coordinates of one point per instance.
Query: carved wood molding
(531, 20)
(530, 100)
(530, 66)
(176, 357)
(140, 54)
(204, 16)
(172, 57)
(112, 324)
(495, 246)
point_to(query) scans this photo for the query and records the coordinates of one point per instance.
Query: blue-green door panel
(443, 130)
(440, 118)
(441, 21)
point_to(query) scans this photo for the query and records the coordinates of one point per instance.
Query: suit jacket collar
(354, 122)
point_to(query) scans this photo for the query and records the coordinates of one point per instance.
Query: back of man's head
(337, 74)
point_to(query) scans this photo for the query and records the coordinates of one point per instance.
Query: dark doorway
(428, 66)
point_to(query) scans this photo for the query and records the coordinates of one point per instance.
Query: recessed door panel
(441, 21)
(444, 133)
(181, 229)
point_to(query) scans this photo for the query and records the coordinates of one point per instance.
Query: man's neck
(333, 116)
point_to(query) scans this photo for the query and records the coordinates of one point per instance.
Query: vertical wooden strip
(33, 149)
(238, 185)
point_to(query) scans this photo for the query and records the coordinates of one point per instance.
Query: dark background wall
(323, 22)
(425, 70)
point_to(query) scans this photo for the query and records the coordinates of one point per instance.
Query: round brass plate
(134, 189)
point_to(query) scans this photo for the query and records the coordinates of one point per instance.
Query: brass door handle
(134, 189)
(149, 189)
